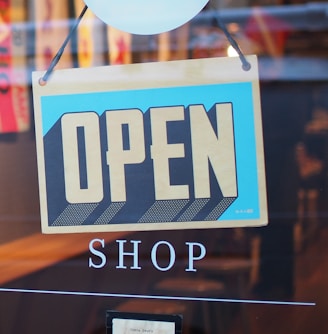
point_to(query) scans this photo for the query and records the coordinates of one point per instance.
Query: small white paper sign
(131, 326)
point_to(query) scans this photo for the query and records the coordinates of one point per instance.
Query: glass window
(268, 279)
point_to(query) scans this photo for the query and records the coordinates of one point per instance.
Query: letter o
(154, 256)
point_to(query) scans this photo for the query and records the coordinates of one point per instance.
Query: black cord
(245, 64)
(43, 81)
(55, 60)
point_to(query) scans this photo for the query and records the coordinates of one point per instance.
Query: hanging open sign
(170, 145)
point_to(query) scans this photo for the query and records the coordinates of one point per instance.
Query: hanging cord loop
(246, 66)
(44, 79)
(55, 60)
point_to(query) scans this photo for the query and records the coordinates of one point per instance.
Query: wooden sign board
(168, 145)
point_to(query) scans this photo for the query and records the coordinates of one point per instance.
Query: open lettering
(202, 143)
(168, 164)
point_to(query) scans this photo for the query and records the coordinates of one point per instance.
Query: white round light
(232, 52)
(146, 17)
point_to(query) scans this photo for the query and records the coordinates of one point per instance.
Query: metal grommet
(246, 66)
(42, 82)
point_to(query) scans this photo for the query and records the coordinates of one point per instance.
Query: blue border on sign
(246, 206)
